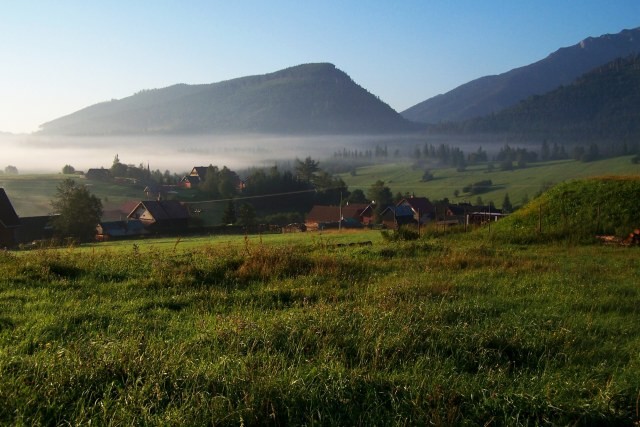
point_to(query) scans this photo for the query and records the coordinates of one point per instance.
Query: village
(161, 213)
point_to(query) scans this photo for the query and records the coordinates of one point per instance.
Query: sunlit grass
(301, 331)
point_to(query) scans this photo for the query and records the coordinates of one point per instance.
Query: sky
(57, 57)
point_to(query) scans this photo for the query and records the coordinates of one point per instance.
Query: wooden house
(349, 216)
(9, 221)
(110, 230)
(35, 228)
(189, 181)
(394, 217)
(421, 208)
(199, 173)
(161, 215)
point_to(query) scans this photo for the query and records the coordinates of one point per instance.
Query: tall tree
(381, 195)
(78, 211)
(229, 214)
(246, 215)
(305, 169)
(506, 204)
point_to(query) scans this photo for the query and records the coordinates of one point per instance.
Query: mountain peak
(313, 98)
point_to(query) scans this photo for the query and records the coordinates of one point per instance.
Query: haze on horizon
(178, 154)
(59, 57)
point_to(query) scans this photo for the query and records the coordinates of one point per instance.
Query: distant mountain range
(306, 99)
(321, 99)
(490, 94)
(603, 105)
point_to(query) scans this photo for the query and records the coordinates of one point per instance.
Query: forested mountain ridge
(602, 106)
(490, 94)
(310, 98)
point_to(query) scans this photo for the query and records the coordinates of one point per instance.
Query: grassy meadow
(518, 183)
(303, 329)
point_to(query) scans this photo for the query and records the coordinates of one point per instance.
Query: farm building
(396, 216)
(421, 208)
(109, 230)
(9, 221)
(34, 228)
(199, 173)
(352, 215)
(161, 215)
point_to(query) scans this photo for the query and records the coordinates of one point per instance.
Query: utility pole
(340, 210)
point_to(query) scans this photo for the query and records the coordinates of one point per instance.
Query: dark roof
(353, 210)
(400, 210)
(8, 216)
(192, 179)
(418, 204)
(200, 171)
(164, 209)
(460, 209)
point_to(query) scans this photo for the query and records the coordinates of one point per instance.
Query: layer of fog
(47, 154)
(178, 154)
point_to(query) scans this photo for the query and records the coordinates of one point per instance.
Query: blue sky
(57, 57)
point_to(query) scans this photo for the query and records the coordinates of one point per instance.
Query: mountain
(310, 98)
(603, 105)
(493, 93)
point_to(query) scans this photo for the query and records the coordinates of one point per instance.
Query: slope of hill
(519, 184)
(493, 93)
(310, 98)
(602, 105)
(577, 210)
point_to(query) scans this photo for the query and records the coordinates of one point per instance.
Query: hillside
(520, 184)
(310, 98)
(493, 93)
(577, 210)
(602, 105)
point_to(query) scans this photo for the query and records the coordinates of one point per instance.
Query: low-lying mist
(48, 154)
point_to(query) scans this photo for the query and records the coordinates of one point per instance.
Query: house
(34, 228)
(484, 216)
(421, 208)
(394, 217)
(350, 216)
(109, 230)
(161, 215)
(98, 174)
(9, 221)
(199, 173)
(189, 181)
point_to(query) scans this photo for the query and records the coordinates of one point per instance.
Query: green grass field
(519, 183)
(296, 330)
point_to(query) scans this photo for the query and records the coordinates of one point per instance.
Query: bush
(404, 233)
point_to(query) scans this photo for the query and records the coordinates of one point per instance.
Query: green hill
(310, 98)
(577, 210)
